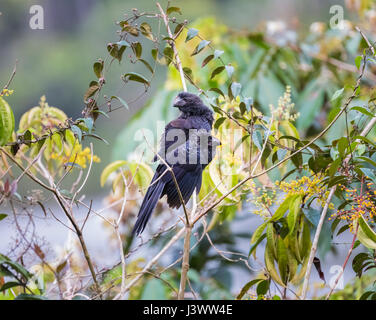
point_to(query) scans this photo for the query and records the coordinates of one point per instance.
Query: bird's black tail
(148, 205)
(188, 181)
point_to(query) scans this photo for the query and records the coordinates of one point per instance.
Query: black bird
(194, 115)
(187, 162)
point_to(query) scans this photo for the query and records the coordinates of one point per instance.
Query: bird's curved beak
(217, 142)
(178, 102)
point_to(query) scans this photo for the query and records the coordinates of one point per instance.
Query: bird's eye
(179, 101)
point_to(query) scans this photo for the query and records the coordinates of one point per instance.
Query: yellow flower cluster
(6, 92)
(284, 111)
(263, 198)
(362, 204)
(233, 160)
(307, 187)
(76, 156)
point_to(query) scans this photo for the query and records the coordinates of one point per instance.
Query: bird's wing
(180, 123)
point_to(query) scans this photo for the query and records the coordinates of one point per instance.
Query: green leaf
(342, 145)
(369, 173)
(366, 295)
(258, 233)
(313, 216)
(154, 289)
(168, 54)
(111, 168)
(218, 53)
(89, 123)
(257, 139)
(191, 34)
(217, 71)
(246, 287)
(365, 234)
(96, 137)
(98, 68)
(219, 122)
(207, 60)
(337, 94)
(124, 104)
(15, 266)
(77, 132)
(6, 122)
(284, 206)
(147, 65)
(137, 49)
(178, 29)
(146, 31)
(269, 264)
(123, 43)
(230, 70)
(294, 209)
(188, 74)
(262, 287)
(282, 259)
(91, 91)
(364, 111)
(248, 102)
(343, 229)
(27, 136)
(130, 29)
(3, 216)
(358, 61)
(173, 9)
(116, 52)
(10, 284)
(219, 91)
(102, 113)
(370, 161)
(133, 76)
(254, 246)
(235, 89)
(200, 47)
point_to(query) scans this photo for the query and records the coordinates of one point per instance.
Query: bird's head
(190, 103)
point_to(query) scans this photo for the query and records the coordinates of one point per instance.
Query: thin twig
(11, 77)
(344, 264)
(186, 250)
(120, 242)
(87, 174)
